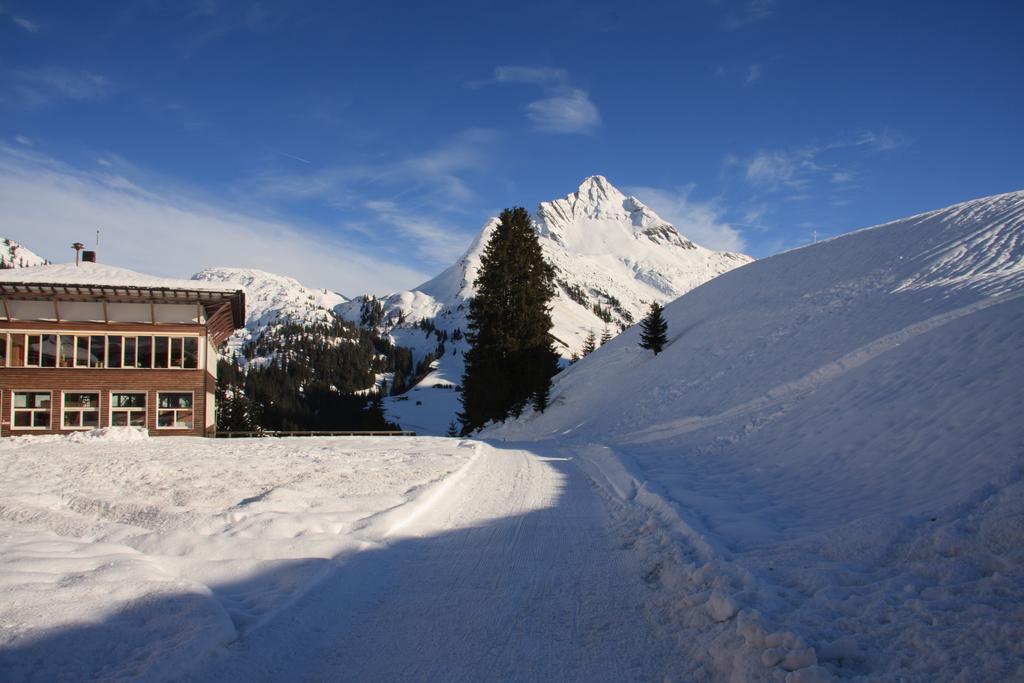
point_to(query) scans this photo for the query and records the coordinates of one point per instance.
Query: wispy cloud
(161, 230)
(702, 222)
(438, 242)
(748, 74)
(436, 173)
(564, 108)
(569, 111)
(37, 87)
(26, 24)
(533, 75)
(421, 198)
(796, 168)
(740, 15)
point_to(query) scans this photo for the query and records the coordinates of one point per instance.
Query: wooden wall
(104, 381)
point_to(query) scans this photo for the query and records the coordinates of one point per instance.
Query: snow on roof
(98, 275)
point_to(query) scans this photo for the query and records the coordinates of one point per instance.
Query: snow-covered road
(513, 570)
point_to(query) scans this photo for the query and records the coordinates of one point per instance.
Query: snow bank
(122, 556)
(829, 453)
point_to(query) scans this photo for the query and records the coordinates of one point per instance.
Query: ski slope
(833, 435)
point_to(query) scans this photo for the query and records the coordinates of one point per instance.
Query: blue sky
(360, 146)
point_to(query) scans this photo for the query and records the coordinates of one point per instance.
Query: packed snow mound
(271, 298)
(836, 432)
(14, 255)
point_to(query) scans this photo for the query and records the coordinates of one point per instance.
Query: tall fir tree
(654, 330)
(589, 344)
(606, 336)
(511, 358)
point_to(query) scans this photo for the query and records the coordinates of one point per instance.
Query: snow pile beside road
(829, 454)
(123, 557)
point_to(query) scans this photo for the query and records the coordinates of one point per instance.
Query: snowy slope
(272, 298)
(831, 443)
(15, 255)
(608, 250)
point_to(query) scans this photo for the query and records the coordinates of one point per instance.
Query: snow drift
(834, 437)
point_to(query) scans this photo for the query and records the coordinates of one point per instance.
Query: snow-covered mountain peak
(599, 214)
(14, 255)
(271, 298)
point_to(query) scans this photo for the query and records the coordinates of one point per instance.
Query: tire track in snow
(518, 573)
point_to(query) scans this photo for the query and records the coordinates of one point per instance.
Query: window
(97, 351)
(81, 352)
(129, 352)
(192, 352)
(48, 357)
(50, 350)
(33, 351)
(17, 350)
(127, 409)
(160, 345)
(174, 410)
(176, 352)
(67, 350)
(31, 410)
(114, 351)
(144, 352)
(81, 409)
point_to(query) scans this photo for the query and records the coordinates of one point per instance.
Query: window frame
(111, 409)
(191, 409)
(98, 409)
(81, 347)
(14, 410)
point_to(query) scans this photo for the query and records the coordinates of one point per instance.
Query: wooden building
(86, 346)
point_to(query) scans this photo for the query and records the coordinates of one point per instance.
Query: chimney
(89, 256)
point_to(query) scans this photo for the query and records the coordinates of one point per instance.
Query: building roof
(92, 281)
(100, 275)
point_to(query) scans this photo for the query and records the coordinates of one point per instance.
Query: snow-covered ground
(123, 556)
(830, 450)
(316, 559)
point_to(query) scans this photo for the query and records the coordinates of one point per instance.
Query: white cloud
(564, 109)
(753, 74)
(533, 75)
(700, 221)
(749, 12)
(22, 140)
(569, 111)
(772, 169)
(36, 87)
(435, 241)
(26, 24)
(48, 205)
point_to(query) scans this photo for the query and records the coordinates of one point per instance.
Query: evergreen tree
(654, 330)
(511, 358)
(589, 344)
(606, 336)
(452, 429)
